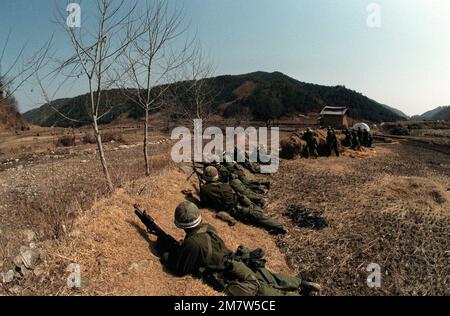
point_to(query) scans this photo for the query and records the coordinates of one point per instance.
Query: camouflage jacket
(218, 196)
(224, 173)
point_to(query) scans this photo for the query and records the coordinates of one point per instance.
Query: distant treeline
(272, 95)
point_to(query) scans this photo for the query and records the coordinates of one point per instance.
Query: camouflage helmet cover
(211, 174)
(187, 215)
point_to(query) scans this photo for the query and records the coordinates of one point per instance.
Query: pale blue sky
(405, 63)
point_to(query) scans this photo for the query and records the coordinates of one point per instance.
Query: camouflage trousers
(251, 166)
(311, 151)
(253, 215)
(332, 146)
(255, 186)
(260, 283)
(242, 189)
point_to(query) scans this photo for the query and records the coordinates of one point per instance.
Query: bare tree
(96, 52)
(150, 59)
(195, 91)
(20, 69)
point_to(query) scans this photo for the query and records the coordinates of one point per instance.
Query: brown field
(389, 205)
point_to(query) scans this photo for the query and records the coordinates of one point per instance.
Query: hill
(439, 113)
(397, 111)
(76, 109)
(258, 95)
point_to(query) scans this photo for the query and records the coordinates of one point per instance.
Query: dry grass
(112, 136)
(53, 190)
(387, 205)
(391, 208)
(128, 264)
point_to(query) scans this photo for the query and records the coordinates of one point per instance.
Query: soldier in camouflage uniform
(242, 189)
(243, 159)
(311, 148)
(332, 142)
(348, 138)
(231, 172)
(204, 254)
(360, 136)
(224, 173)
(365, 140)
(236, 172)
(222, 198)
(369, 140)
(355, 140)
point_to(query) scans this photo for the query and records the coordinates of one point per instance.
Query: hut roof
(332, 110)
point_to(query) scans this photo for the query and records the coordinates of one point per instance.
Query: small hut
(336, 117)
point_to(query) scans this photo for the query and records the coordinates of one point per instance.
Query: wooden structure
(336, 117)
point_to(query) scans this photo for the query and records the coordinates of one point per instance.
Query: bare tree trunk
(147, 166)
(101, 152)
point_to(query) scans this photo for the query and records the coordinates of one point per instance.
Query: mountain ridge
(439, 113)
(259, 94)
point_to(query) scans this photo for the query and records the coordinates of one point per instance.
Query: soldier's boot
(263, 203)
(266, 184)
(278, 231)
(307, 288)
(264, 191)
(271, 225)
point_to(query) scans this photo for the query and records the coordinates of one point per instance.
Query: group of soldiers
(226, 189)
(357, 137)
(311, 143)
(354, 139)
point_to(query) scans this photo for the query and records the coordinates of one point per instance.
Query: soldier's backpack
(237, 276)
(252, 259)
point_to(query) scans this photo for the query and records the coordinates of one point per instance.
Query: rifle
(153, 228)
(198, 173)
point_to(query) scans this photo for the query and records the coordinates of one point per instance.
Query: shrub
(66, 141)
(400, 131)
(88, 139)
(112, 136)
(106, 138)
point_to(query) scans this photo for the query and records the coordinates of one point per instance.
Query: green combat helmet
(187, 215)
(211, 174)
